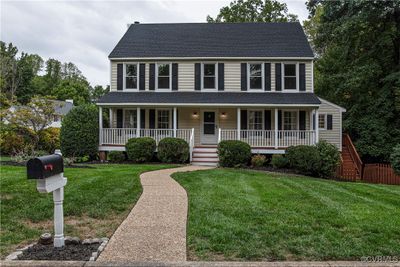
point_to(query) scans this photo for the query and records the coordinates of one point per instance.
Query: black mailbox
(44, 167)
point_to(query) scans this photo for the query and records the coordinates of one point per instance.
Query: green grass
(96, 201)
(249, 215)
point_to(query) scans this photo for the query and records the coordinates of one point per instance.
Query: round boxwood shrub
(330, 159)
(304, 159)
(49, 139)
(140, 149)
(395, 159)
(79, 134)
(173, 150)
(279, 161)
(116, 156)
(233, 153)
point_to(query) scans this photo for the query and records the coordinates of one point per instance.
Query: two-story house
(207, 82)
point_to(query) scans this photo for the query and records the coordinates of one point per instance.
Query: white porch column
(276, 128)
(110, 116)
(238, 123)
(175, 121)
(100, 125)
(316, 126)
(138, 122)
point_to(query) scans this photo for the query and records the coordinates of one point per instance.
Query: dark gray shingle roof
(209, 98)
(285, 39)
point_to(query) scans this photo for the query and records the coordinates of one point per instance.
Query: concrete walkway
(155, 229)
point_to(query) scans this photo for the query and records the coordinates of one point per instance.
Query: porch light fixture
(195, 115)
(223, 115)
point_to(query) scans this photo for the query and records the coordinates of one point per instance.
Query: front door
(209, 133)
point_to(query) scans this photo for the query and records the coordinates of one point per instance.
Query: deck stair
(351, 164)
(205, 155)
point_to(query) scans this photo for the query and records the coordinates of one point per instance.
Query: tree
(253, 11)
(98, 91)
(358, 44)
(78, 90)
(8, 70)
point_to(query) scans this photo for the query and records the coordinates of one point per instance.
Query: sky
(85, 32)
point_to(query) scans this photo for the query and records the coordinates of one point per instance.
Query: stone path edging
(155, 229)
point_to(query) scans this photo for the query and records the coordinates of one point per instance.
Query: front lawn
(250, 215)
(97, 199)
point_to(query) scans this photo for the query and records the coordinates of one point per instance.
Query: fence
(380, 174)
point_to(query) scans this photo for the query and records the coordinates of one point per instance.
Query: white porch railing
(267, 138)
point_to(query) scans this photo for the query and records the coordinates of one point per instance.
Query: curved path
(155, 229)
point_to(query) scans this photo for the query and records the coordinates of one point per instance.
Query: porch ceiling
(208, 99)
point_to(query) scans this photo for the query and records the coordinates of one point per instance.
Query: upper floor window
(131, 76)
(209, 76)
(255, 120)
(163, 76)
(162, 119)
(290, 76)
(255, 76)
(290, 120)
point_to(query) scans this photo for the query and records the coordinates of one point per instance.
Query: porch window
(290, 76)
(209, 76)
(255, 120)
(322, 121)
(163, 76)
(163, 119)
(255, 76)
(290, 120)
(130, 119)
(131, 76)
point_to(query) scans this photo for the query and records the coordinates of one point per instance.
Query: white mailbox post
(49, 173)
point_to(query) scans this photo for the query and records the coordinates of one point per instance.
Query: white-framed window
(322, 121)
(290, 77)
(255, 119)
(163, 118)
(255, 76)
(163, 73)
(130, 118)
(209, 78)
(290, 120)
(131, 76)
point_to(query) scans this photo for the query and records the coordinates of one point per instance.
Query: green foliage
(395, 159)
(233, 153)
(279, 161)
(304, 159)
(49, 139)
(173, 150)
(253, 11)
(116, 156)
(15, 139)
(258, 160)
(140, 149)
(330, 158)
(79, 132)
(77, 90)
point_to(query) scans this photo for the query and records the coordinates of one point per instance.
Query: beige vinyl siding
(333, 136)
(232, 76)
(186, 76)
(187, 121)
(113, 83)
(308, 77)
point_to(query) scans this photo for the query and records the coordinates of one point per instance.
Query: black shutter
(302, 81)
(177, 118)
(243, 76)
(197, 76)
(174, 76)
(221, 78)
(313, 121)
(267, 76)
(152, 77)
(278, 77)
(152, 118)
(120, 76)
(142, 118)
(243, 119)
(267, 119)
(142, 74)
(279, 119)
(329, 122)
(302, 120)
(120, 118)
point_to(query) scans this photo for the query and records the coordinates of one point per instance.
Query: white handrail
(191, 144)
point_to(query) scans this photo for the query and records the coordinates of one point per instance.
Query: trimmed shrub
(49, 139)
(79, 134)
(14, 139)
(304, 159)
(279, 161)
(233, 153)
(116, 156)
(173, 150)
(330, 159)
(140, 149)
(258, 160)
(395, 159)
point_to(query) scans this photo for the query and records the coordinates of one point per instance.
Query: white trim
(202, 77)
(262, 89)
(283, 77)
(267, 151)
(204, 105)
(111, 148)
(238, 121)
(124, 77)
(170, 77)
(325, 121)
(222, 58)
(330, 103)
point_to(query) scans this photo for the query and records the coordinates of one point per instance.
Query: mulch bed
(71, 252)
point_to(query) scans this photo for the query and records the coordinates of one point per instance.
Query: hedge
(173, 150)
(233, 153)
(140, 149)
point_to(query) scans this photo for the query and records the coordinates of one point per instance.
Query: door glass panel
(209, 123)
(209, 129)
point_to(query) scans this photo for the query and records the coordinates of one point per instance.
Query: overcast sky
(85, 32)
